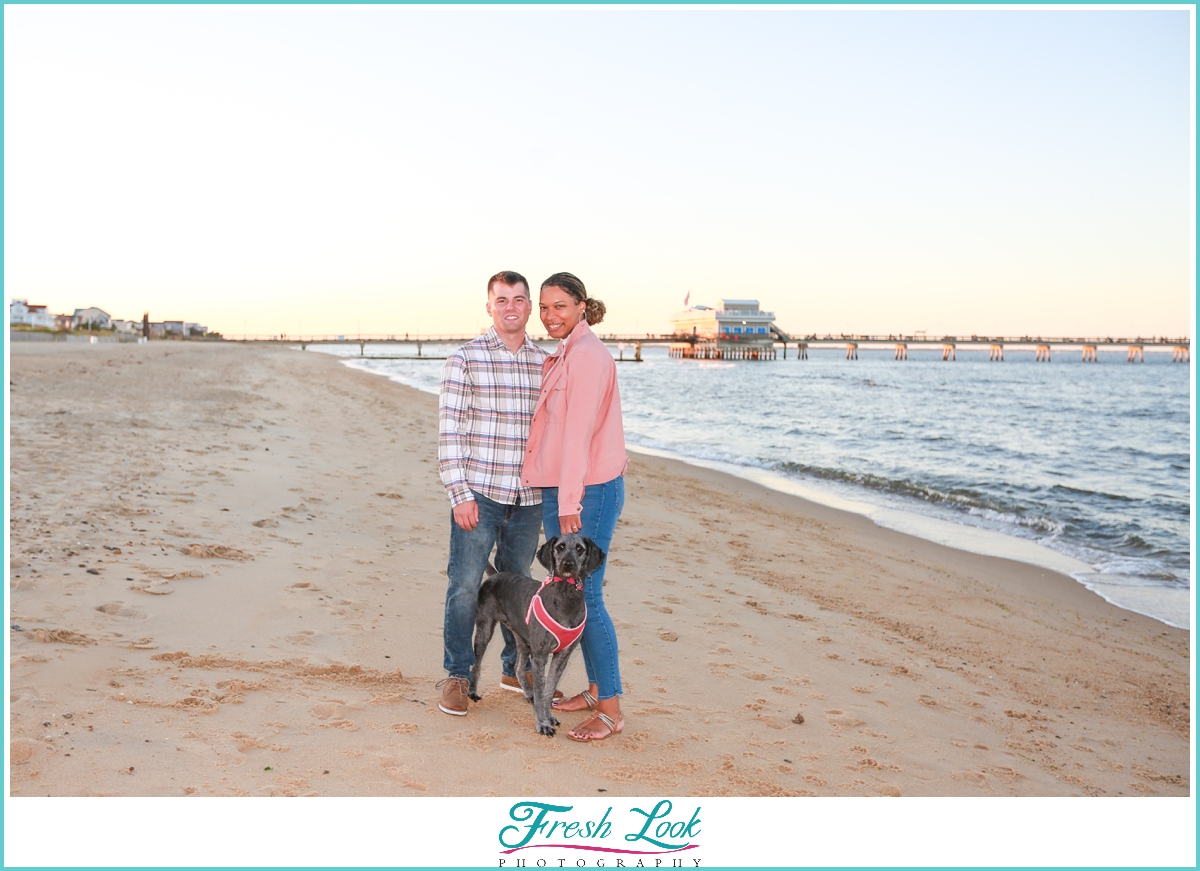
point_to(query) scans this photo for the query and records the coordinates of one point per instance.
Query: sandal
(588, 698)
(613, 727)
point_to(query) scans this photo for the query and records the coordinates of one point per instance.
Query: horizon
(866, 171)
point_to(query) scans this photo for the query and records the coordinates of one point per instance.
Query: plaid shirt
(485, 406)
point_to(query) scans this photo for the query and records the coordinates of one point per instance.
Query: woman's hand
(570, 523)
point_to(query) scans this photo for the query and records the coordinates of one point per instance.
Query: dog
(508, 598)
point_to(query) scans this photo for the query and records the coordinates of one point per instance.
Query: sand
(227, 573)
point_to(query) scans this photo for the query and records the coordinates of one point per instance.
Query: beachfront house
(64, 322)
(91, 319)
(194, 331)
(156, 330)
(126, 328)
(173, 328)
(734, 329)
(21, 312)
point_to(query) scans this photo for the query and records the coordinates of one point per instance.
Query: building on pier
(737, 329)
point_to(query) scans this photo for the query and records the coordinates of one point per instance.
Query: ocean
(1081, 468)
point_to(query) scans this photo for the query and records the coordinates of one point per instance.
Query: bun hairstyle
(574, 288)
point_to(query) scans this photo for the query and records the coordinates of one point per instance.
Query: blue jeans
(513, 530)
(602, 504)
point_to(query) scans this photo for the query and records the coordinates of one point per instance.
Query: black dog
(507, 598)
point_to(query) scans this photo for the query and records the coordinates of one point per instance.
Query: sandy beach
(227, 573)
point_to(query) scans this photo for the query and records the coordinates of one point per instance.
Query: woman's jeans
(513, 529)
(602, 504)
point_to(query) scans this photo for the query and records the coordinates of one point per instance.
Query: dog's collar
(555, 579)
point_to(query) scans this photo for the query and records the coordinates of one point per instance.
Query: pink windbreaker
(576, 437)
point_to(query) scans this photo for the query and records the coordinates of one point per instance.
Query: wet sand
(227, 566)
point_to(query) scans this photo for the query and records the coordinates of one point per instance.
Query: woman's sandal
(613, 727)
(588, 698)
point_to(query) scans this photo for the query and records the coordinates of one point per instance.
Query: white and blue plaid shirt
(485, 406)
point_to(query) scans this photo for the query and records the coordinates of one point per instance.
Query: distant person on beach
(577, 456)
(489, 389)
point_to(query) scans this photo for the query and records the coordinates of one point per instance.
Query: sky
(344, 170)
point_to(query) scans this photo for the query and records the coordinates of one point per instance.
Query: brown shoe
(454, 696)
(509, 682)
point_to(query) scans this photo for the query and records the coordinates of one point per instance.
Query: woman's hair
(574, 288)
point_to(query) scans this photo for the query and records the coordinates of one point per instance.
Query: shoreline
(244, 596)
(1167, 604)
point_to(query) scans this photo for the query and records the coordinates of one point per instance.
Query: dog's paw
(546, 729)
(555, 721)
(474, 696)
(529, 699)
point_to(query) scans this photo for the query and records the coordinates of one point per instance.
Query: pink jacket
(576, 437)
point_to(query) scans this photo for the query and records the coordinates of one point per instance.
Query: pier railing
(758, 347)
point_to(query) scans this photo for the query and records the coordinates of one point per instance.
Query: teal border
(878, 5)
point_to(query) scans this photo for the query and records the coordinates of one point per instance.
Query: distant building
(156, 330)
(173, 327)
(191, 330)
(95, 318)
(735, 329)
(126, 328)
(64, 322)
(21, 312)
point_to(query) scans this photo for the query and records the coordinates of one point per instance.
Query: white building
(732, 319)
(21, 312)
(126, 328)
(97, 317)
(735, 329)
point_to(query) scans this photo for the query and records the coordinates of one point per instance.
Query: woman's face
(560, 312)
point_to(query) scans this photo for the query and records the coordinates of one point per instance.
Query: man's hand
(466, 515)
(570, 523)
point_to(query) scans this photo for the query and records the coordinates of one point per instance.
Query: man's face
(509, 307)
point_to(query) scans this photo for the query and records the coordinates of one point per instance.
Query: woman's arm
(589, 381)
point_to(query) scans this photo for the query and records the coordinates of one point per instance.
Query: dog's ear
(594, 558)
(545, 554)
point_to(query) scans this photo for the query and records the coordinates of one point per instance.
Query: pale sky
(336, 170)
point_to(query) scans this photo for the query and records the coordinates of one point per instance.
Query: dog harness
(566, 635)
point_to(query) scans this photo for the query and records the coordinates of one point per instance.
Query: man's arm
(454, 405)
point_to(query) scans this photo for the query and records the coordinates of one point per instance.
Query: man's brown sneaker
(509, 682)
(454, 696)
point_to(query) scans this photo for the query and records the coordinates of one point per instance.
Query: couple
(525, 440)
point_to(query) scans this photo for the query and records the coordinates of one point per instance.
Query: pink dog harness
(565, 635)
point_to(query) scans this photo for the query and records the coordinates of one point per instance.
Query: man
(488, 392)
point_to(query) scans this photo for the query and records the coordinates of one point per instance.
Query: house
(156, 330)
(21, 312)
(91, 318)
(191, 330)
(173, 328)
(735, 329)
(126, 328)
(64, 322)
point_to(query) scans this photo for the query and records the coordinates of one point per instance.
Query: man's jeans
(514, 530)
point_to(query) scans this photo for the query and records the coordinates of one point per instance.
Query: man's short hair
(512, 279)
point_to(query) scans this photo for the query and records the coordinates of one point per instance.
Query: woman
(576, 454)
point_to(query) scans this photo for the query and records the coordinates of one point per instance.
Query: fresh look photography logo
(638, 838)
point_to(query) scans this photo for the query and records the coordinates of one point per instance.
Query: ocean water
(1081, 468)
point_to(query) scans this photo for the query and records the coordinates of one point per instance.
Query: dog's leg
(485, 626)
(541, 696)
(558, 664)
(523, 656)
